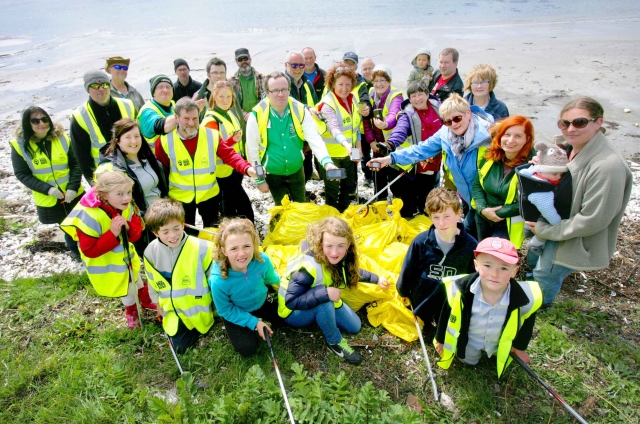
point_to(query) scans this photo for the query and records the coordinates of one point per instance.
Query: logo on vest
(453, 319)
(161, 285)
(186, 281)
(292, 129)
(346, 120)
(204, 162)
(184, 162)
(41, 161)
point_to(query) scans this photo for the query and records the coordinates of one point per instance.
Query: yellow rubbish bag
(281, 256)
(421, 223)
(369, 214)
(394, 317)
(372, 239)
(366, 292)
(288, 223)
(392, 256)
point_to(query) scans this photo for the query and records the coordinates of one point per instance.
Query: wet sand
(540, 65)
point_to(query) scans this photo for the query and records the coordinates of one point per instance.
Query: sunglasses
(455, 119)
(296, 65)
(99, 85)
(121, 67)
(242, 59)
(224, 84)
(563, 124)
(36, 121)
(342, 69)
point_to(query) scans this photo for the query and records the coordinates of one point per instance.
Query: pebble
(627, 111)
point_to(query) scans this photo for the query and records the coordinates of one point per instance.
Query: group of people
(151, 165)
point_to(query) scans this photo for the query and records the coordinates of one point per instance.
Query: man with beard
(188, 155)
(248, 81)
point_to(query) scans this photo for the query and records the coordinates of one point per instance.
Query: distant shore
(540, 65)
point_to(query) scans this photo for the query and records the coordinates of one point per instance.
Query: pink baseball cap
(501, 248)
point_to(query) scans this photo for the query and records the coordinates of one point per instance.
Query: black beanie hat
(153, 82)
(179, 62)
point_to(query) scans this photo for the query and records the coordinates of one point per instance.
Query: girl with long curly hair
(239, 280)
(311, 290)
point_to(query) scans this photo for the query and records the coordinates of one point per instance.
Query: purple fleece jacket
(371, 132)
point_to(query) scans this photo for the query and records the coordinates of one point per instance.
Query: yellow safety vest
(393, 93)
(85, 117)
(261, 111)
(515, 224)
(108, 273)
(53, 171)
(187, 297)
(480, 152)
(316, 270)
(226, 128)
(192, 178)
(356, 95)
(150, 105)
(509, 332)
(348, 123)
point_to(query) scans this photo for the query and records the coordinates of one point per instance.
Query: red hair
(495, 152)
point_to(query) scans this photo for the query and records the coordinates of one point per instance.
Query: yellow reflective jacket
(226, 128)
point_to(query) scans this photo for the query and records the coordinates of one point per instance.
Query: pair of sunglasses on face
(578, 123)
(121, 67)
(36, 121)
(98, 85)
(296, 65)
(456, 119)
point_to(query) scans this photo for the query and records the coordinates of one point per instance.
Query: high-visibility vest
(53, 171)
(108, 273)
(317, 271)
(348, 123)
(515, 224)
(509, 332)
(393, 93)
(480, 151)
(187, 297)
(150, 105)
(308, 94)
(226, 128)
(261, 111)
(356, 95)
(192, 178)
(85, 117)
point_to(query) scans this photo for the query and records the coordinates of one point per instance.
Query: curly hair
(481, 72)
(227, 228)
(495, 152)
(338, 70)
(337, 227)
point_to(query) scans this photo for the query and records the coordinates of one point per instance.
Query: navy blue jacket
(300, 295)
(495, 107)
(425, 265)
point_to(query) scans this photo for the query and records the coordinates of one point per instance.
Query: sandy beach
(541, 65)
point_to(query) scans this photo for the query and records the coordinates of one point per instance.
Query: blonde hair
(441, 198)
(339, 228)
(482, 72)
(162, 211)
(111, 180)
(227, 228)
(454, 103)
(216, 89)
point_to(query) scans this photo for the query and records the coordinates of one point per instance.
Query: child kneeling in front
(239, 280)
(177, 267)
(310, 292)
(444, 250)
(488, 310)
(96, 224)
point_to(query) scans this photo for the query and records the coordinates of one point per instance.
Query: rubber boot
(133, 320)
(145, 299)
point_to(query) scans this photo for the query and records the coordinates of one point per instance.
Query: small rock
(375, 338)
(414, 403)
(637, 124)
(568, 331)
(627, 111)
(4, 194)
(447, 402)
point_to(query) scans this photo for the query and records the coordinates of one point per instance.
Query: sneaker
(133, 320)
(346, 352)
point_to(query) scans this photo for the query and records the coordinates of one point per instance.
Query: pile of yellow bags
(382, 237)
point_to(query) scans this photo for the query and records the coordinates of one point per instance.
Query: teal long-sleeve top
(241, 293)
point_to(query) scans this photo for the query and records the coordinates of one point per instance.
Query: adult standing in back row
(446, 79)
(91, 123)
(248, 81)
(118, 68)
(185, 86)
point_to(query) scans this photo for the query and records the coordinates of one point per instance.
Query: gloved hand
(69, 196)
(53, 191)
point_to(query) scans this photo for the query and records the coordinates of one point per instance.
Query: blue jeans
(329, 319)
(548, 274)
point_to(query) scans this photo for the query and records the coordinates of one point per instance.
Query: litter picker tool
(549, 389)
(275, 365)
(375, 196)
(193, 227)
(173, 351)
(426, 356)
(125, 243)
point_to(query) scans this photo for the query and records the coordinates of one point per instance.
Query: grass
(67, 356)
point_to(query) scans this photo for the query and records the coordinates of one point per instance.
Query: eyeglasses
(296, 65)
(479, 83)
(563, 124)
(282, 91)
(455, 119)
(121, 67)
(242, 59)
(99, 85)
(36, 121)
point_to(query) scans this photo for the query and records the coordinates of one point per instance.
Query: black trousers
(209, 211)
(338, 193)
(235, 201)
(245, 341)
